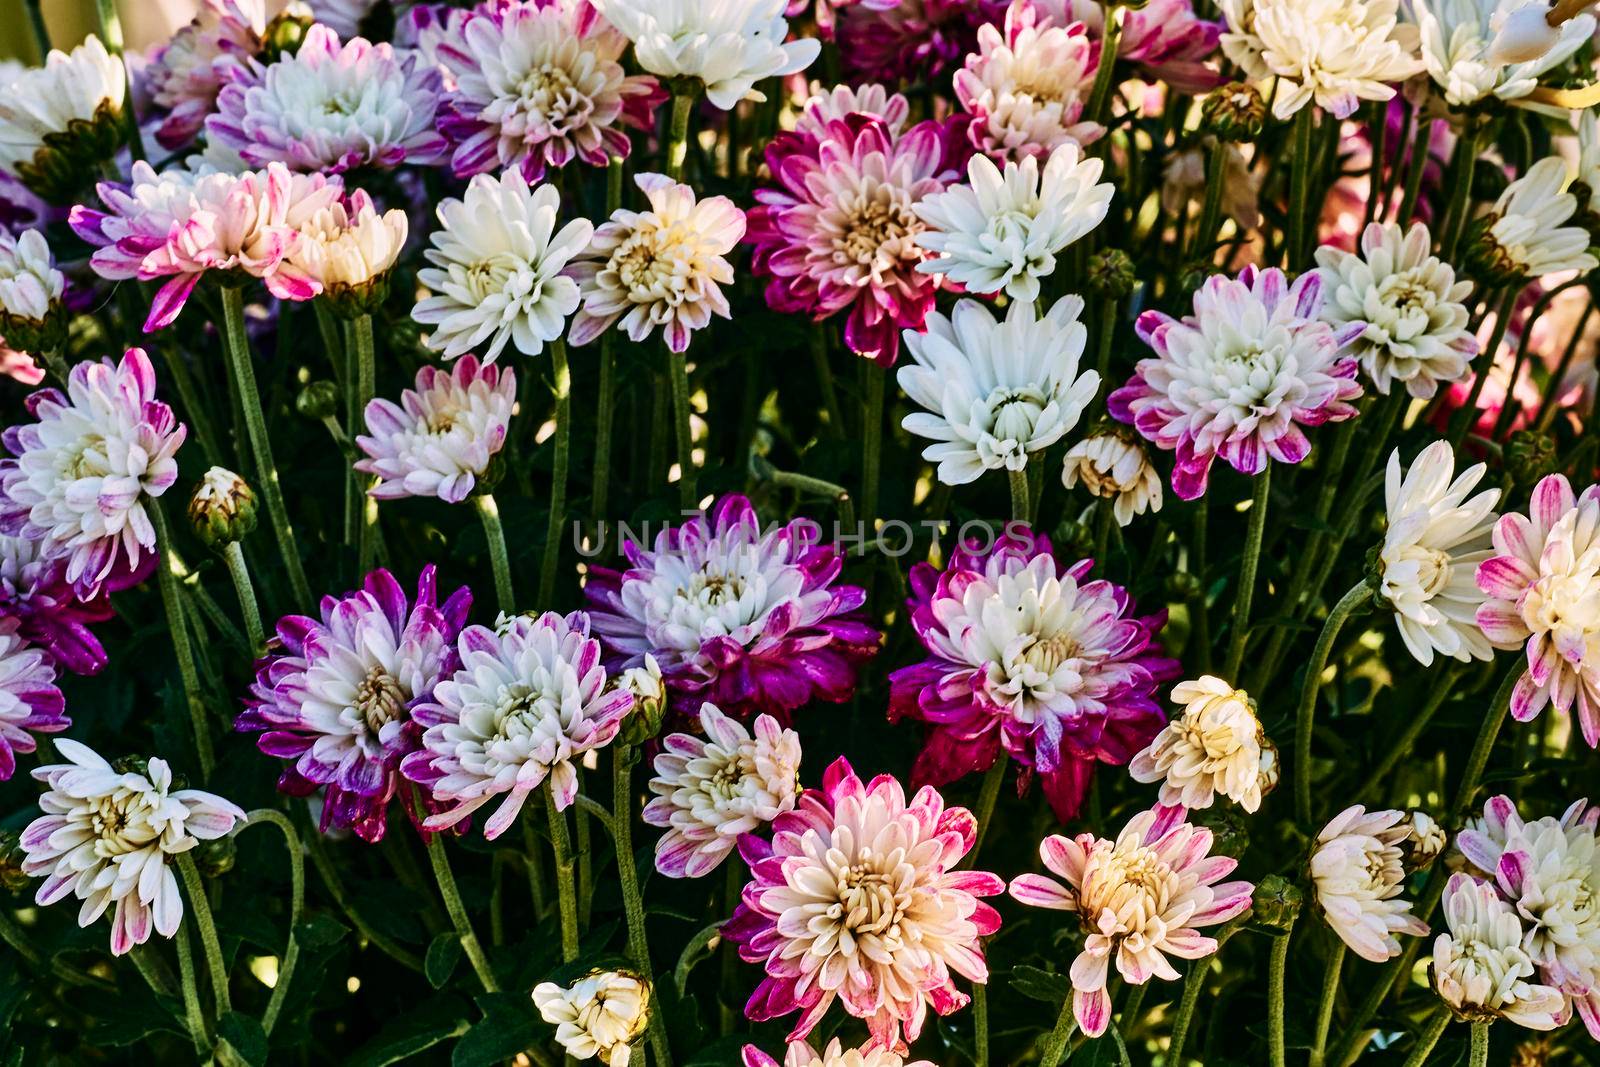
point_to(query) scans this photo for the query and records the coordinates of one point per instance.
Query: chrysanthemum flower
(496, 274)
(658, 268)
(1480, 968)
(535, 83)
(61, 122)
(729, 45)
(1336, 52)
(1003, 230)
(839, 233)
(528, 699)
(30, 703)
(350, 248)
(1026, 89)
(345, 17)
(1027, 656)
(800, 1054)
(1164, 38)
(1141, 898)
(597, 1017)
(709, 792)
(35, 593)
(1214, 745)
(105, 835)
(995, 393)
(331, 107)
(1239, 377)
(1413, 307)
(30, 292)
(1434, 543)
(1525, 234)
(184, 75)
(334, 694)
(79, 477)
(912, 39)
(1548, 869)
(1359, 876)
(858, 899)
(1457, 47)
(1116, 469)
(1542, 593)
(439, 440)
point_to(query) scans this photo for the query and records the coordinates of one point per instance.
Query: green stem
(1358, 595)
(1464, 419)
(1021, 510)
(1378, 135)
(458, 913)
(824, 371)
(1103, 77)
(239, 571)
(1277, 964)
(297, 899)
(872, 441)
(336, 889)
(244, 379)
(1192, 984)
(1420, 145)
(1479, 1056)
(980, 1023)
(1248, 563)
(1455, 219)
(1300, 186)
(178, 371)
(606, 411)
(196, 891)
(193, 1017)
(499, 559)
(17, 938)
(1196, 565)
(1487, 733)
(41, 32)
(532, 852)
(1330, 988)
(561, 381)
(366, 372)
(1429, 1037)
(111, 37)
(622, 801)
(183, 651)
(1400, 748)
(678, 372)
(1056, 1044)
(561, 841)
(678, 133)
(988, 793)
(1211, 209)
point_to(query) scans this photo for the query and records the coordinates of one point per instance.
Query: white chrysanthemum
(105, 836)
(728, 44)
(1588, 126)
(1003, 230)
(1481, 969)
(993, 393)
(710, 791)
(350, 245)
(1524, 235)
(81, 92)
(1359, 875)
(1336, 52)
(30, 285)
(1215, 745)
(496, 269)
(597, 1017)
(1431, 551)
(1412, 304)
(1458, 49)
(801, 1054)
(1114, 468)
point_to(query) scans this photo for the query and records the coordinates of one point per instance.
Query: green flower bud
(1229, 836)
(1183, 587)
(649, 691)
(1530, 456)
(283, 35)
(35, 335)
(1277, 901)
(1075, 537)
(318, 400)
(216, 858)
(68, 161)
(12, 877)
(1233, 112)
(1111, 274)
(223, 509)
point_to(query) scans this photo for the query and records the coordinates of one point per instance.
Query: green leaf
(320, 931)
(1036, 984)
(434, 1021)
(443, 955)
(509, 1026)
(240, 1041)
(719, 1053)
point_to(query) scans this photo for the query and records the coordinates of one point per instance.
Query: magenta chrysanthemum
(1027, 656)
(185, 75)
(35, 594)
(334, 695)
(537, 82)
(1164, 37)
(751, 621)
(858, 899)
(912, 39)
(30, 703)
(1240, 377)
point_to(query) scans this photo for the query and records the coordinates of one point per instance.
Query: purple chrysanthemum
(335, 695)
(1026, 655)
(751, 621)
(30, 703)
(34, 592)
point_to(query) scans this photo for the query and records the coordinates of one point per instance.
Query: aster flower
(535, 83)
(994, 393)
(1142, 898)
(496, 269)
(335, 694)
(331, 107)
(839, 232)
(184, 75)
(597, 1017)
(105, 837)
(30, 703)
(1358, 873)
(1410, 302)
(441, 437)
(1435, 541)
(800, 1054)
(1541, 590)
(858, 899)
(63, 120)
(1336, 52)
(751, 621)
(728, 45)
(1027, 656)
(1458, 39)
(1116, 469)
(350, 248)
(1004, 229)
(79, 476)
(528, 699)
(1480, 968)
(1214, 745)
(1239, 377)
(708, 793)
(1548, 869)
(1524, 235)
(662, 267)
(30, 292)
(35, 594)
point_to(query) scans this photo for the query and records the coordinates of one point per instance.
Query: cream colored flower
(801, 1054)
(30, 291)
(350, 246)
(597, 1017)
(1114, 468)
(1215, 745)
(1481, 969)
(1458, 49)
(1525, 234)
(1425, 840)
(61, 121)
(1359, 874)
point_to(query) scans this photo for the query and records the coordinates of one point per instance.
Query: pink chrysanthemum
(1164, 37)
(35, 594)
(839, 232)
(1241, 376)
(334, 694)
(858, 898)
(800, 1054)
(912, 39)
(751, 621)
(537, 82)
(827, 11)
(79, 477)
(1140, 898)
(1544, 593)
(176, 225)
(1026, 656)
(185, 75)
(30, 703)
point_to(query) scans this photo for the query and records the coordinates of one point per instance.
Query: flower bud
(1233, 112)
(284, 33)
(1424, 840)
(216, 858)
(1271, 768)
(318, 400)
(1076, 536)
(12, 877)
(649, 702)
(223, 509)
(1111, 274)
(1228, 832)
(1277, 902)
(1530, 456)
(1183, 587)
